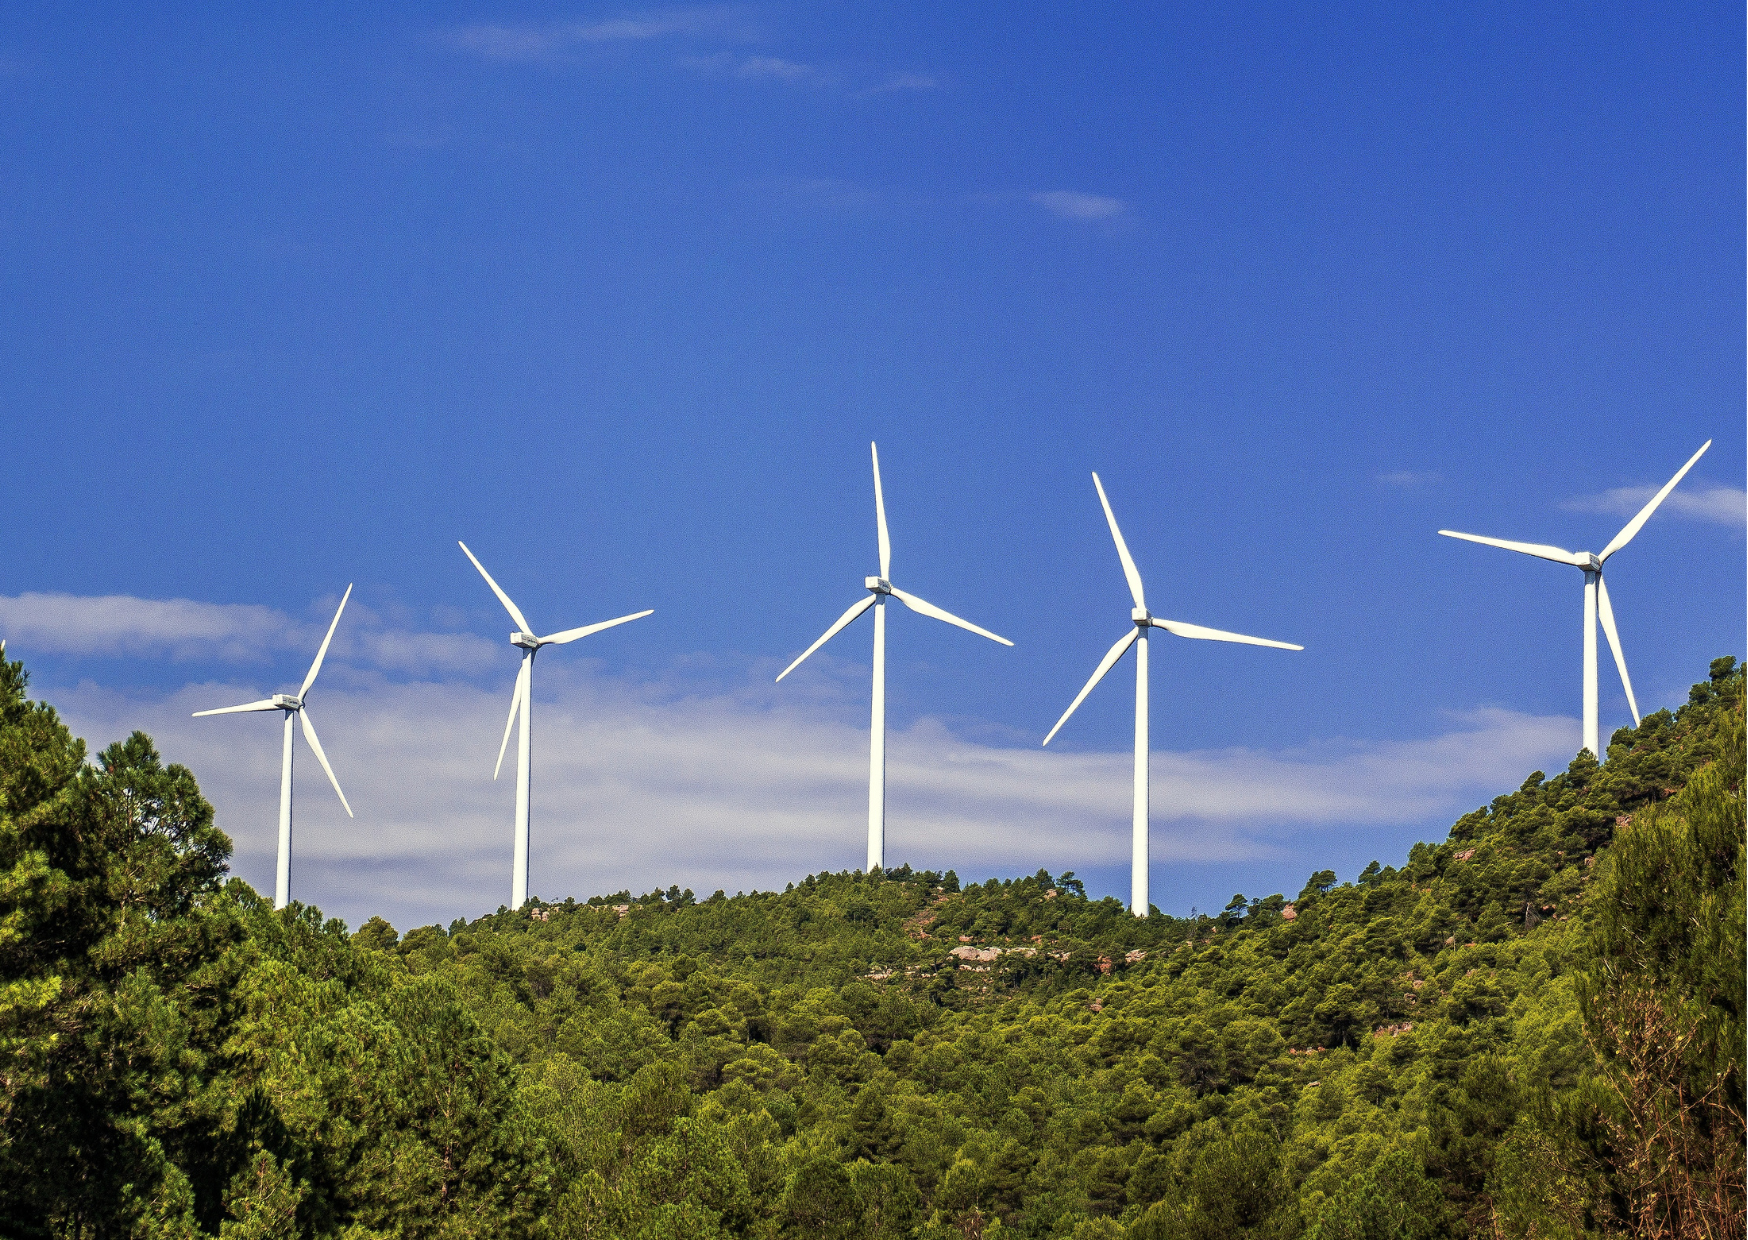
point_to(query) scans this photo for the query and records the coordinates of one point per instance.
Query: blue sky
(621, 295)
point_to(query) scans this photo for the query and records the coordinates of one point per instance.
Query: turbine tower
(294, 705)
(879, 590)
(1596, 597)
(1137, 637)
(522, 706)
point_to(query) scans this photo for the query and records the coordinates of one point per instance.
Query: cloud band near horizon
(634, 791)
(703, 782)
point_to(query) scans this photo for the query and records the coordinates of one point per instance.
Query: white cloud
(412, 653)
(184, 630)
(773, 67)
(638, 786)
(1718, 505)
(560, 42)
(535, 43)
(1071, 205)
(1406, 478)
(124, 625)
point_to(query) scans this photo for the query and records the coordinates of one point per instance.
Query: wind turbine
(1596, 597)
(879, 590)
(522, 705)
(1137, 637)
(293, 705)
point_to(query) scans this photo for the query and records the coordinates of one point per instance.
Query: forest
(1532, 1028)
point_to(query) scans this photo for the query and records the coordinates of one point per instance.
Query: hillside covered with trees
(1531, 1029)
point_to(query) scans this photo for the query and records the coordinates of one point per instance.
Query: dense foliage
(1534, 1028)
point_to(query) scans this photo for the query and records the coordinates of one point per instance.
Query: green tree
(377, 935)
(1515, 1034)
(1230, 1188)
(1662, 1001)
(1391, 1200)
(820, 1201)
(107, 1084)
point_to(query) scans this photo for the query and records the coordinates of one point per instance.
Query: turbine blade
(510, 723)
(1606, 613)
(925, 608)
(1129, 569)
(571, 635)
(1105, 665)
(1219, 635)
(323, 652)
(830, 633)
(522, 624)
(309, 734)
(1558, 555)
(263, 704)
(1632, 527)
(880, 516)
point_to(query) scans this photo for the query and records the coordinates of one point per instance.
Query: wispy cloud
(120, 624)
(723, 26)
(1718, 505)
(1072, 205)
(774, 67)
(1408, 478)
(755, 68)
(547, 42)
(185, 630)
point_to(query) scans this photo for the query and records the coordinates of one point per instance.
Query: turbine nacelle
(878, 585)
(285, 701)
(1592, 562)
(1144, 620)
(526, 640)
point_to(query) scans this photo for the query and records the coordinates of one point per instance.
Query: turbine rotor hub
(1141, 616)
(1595, 564)
(525, 640)
(879, 585)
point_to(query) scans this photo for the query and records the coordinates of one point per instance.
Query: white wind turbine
(879, 590)
(522, 705)
(1596, 597)
(293, 705)
(1137, 637)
